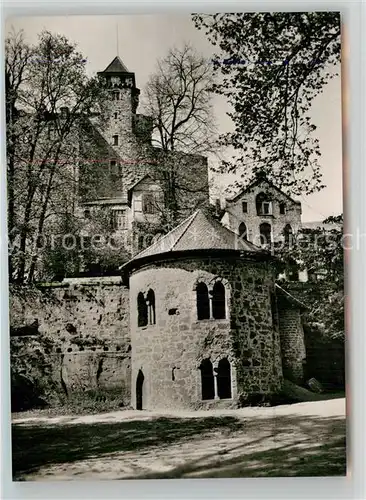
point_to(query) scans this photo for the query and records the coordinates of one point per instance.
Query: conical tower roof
(199, 232)
(116, 66)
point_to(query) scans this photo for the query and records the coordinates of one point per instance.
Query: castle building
(262, 213)
(197, 319)
(268, 217)
(124, 173)
(208, 324)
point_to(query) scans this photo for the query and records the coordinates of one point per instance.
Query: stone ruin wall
(79, 330)
(292, 342)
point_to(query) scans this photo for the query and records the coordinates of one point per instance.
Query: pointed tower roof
(116, 66)
(199, 232)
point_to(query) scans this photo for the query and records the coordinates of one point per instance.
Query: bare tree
(48, 93)
(18, 54)
(178, 98)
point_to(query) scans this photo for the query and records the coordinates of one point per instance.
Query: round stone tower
(201, 319)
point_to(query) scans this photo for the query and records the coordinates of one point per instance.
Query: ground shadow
(290, 460)
(300, 446)
(34, 446)
(321, 451)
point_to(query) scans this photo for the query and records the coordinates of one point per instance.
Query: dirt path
(302, 439)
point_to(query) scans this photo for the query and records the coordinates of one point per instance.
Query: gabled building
(262, 213)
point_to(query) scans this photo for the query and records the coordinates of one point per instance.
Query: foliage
(70, 252)
(271, 67)
(320, 251)
(32, 367)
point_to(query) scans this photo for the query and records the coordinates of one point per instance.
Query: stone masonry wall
(169, 353)
(292, 342)
(256, 339)
(234, 215)
(85, 328)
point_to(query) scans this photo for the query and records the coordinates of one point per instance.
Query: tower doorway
(139, 390)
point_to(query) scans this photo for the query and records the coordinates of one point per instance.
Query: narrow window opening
(266, 208)
(114, 170)
(244, 207)
(243, 233)
(203, 301)
(119, 219)
(115, 140)
(207, 380)
(139, 390)
(141, 310)
(151, 306)
(263, 204)
(224, 379)
(218, 301)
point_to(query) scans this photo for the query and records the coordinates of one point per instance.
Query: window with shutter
(148, 203)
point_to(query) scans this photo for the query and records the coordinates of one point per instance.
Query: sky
(140, 40)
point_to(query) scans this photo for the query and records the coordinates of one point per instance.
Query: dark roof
(198, 232)
(120, 200)
(260, 180)
(116, 66)
(293, 301)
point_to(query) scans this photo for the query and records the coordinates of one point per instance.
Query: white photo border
(354, 139)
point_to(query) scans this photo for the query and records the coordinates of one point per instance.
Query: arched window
(288, 235)
(218, 301)
(243, 231)
(141, 310)
(263, 204)
(203, 302)
(207, 380)
(224, 379)
(150, 300)
(265, 233)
